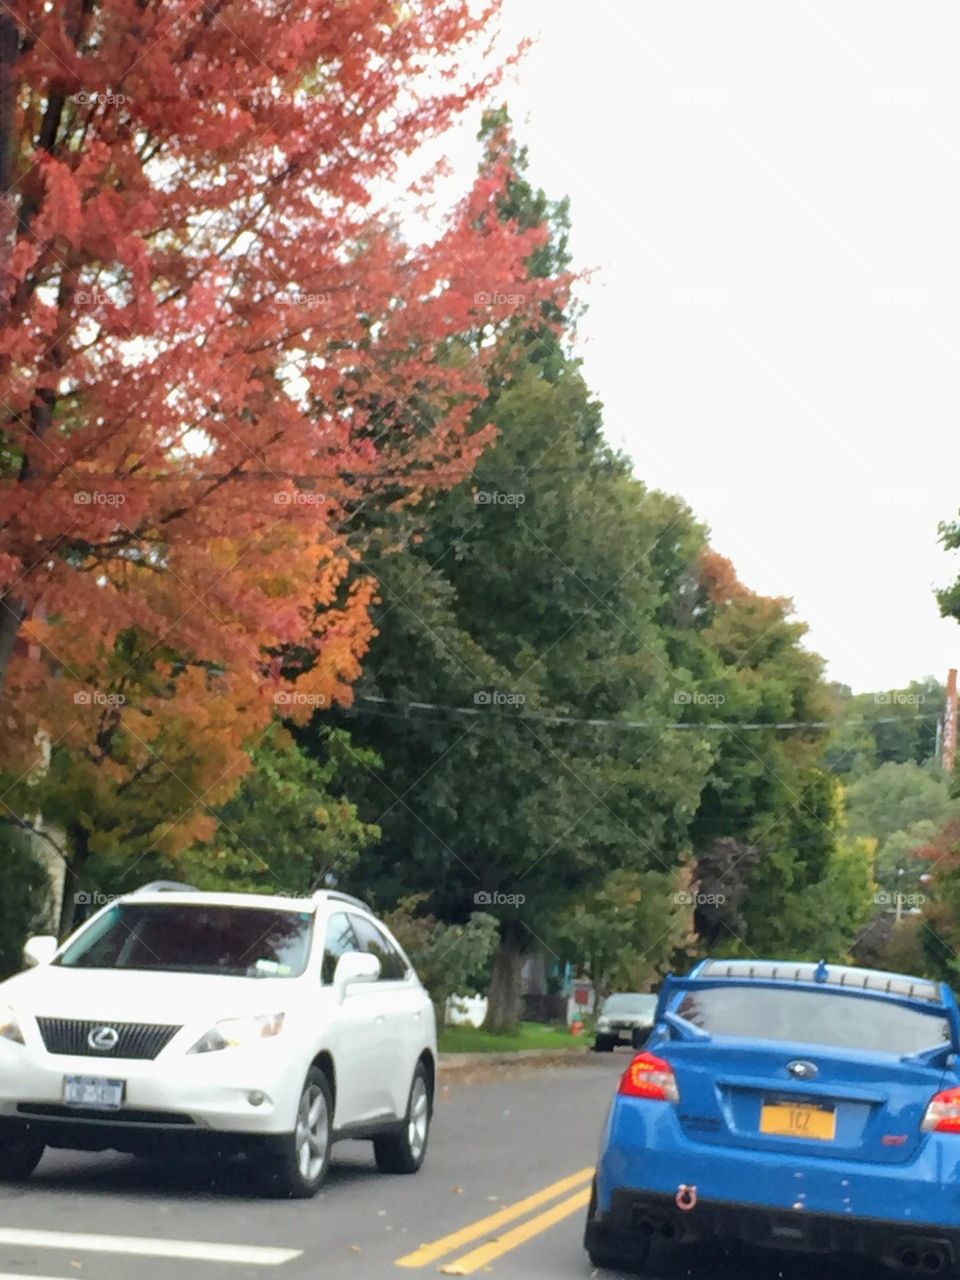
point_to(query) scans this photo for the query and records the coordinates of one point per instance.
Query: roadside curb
(454, 1064)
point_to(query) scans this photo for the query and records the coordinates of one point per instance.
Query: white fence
(466, 1011)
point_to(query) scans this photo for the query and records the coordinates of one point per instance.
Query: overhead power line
(716, 726)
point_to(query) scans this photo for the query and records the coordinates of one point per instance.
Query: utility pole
(949, 756)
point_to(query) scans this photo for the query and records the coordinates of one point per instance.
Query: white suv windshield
(254, 942)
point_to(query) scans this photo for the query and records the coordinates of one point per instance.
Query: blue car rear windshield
(813, 1017)
(249, 942)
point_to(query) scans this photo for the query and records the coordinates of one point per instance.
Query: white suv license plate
(93, 1091)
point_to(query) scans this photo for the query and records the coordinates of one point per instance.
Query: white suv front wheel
(298, 1163)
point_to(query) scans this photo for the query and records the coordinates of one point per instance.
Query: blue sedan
(795, 1107)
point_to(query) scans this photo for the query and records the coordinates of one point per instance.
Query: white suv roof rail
(167, 886)
(334, 895)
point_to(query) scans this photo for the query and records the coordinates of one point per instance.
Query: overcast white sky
(771, 196)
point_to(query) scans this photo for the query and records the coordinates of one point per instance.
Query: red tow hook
(686, 1198)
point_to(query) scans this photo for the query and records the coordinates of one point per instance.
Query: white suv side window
(338, 941)
(393, 967)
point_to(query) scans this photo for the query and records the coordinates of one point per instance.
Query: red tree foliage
(212, 352)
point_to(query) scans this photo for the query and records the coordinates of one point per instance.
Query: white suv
(267, 1025)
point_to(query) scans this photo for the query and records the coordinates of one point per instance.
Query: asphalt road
(530, 1136)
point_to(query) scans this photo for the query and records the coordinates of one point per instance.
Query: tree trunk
(11, 616)
(11, 612)
(78, 850)
(9, 55)
(440, 1013)
(504, 1004)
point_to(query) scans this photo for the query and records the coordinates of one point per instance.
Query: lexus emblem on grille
(802, 1070)
(103, 1039)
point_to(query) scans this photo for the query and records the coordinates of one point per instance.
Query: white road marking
(28, 1275)
(144, 1247)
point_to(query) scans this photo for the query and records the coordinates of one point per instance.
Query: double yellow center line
(497, 1244)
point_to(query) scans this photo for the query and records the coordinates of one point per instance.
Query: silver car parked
(625, 1018)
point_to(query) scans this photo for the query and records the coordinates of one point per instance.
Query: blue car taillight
(649, 1077)
(943, 1113)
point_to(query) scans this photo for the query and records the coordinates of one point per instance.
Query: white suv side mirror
(354, 966)
(39, 950)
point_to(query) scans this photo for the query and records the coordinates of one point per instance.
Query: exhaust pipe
(651, 1226)
(921, 1259)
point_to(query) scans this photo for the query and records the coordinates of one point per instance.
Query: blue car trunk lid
(831, 1103)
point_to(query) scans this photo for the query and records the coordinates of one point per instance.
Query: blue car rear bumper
(639, 1222)
(646, 1151)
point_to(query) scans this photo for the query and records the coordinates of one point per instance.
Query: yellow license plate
(798, 1121)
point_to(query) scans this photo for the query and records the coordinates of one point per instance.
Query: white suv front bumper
(234, 1090)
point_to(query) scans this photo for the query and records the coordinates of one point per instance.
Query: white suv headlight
(237, 1033)
(9, 1027)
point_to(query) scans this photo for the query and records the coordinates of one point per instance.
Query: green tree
(815, 918)
(533, 592)
(892, 726)
(24, 896)
(767, 831)
(941, 909)
(625, 934)
(447, 957)
(545, 607)
(901, 806)
(286, 830)
(900, 865)
(895, 796)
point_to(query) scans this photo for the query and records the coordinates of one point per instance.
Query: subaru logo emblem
(103, 1039)
(802, 1070)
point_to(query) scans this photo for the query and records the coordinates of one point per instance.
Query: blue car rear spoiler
(674, 986)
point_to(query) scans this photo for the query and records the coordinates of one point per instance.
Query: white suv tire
(298, 1161)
